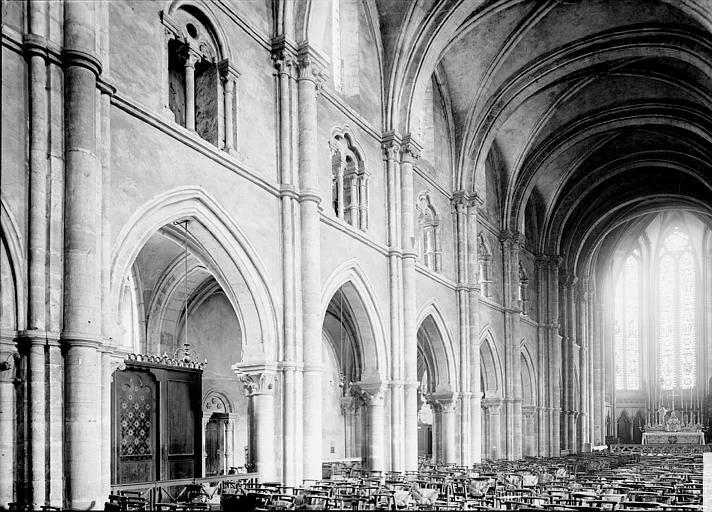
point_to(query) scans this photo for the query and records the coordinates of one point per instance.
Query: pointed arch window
(349, 182)
(676, 312)
(626, 329)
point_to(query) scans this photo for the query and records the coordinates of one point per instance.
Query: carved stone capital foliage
(349, 404)
(370, 393)
(257, 379)
(443, 402)
(260, 383)
(284, 56)
(493, 405)
(391, 144)
(511, 240)
(311, 65)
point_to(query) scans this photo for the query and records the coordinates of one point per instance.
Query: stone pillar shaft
(409, 443)
(473, 304)
(82, 322)
(555, 356)
(229, 91)
(37, 420)
(311, 263)
(189, 68)
(8, 466)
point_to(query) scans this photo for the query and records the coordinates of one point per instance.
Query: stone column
(229, 76)
(528, 424)
(494, 408)
(81, 298)
(372, 394)
(285, 64)
(598, 417)
(473, 313)
(189, 67)
(392, 148)
(353, 206)
(447, 404)
(36, 52)
(409, 443)
(459, 204)
(55, 377)
(230, 441)
(511, 243)
(554, 343)
(544, 380)
(571, 356)
(8, 463)
(363, 201)
(309, 75)
(258, 382)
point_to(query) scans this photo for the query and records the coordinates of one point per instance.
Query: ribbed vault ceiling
(598, 110)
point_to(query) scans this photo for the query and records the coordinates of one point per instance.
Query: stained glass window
(627, 325)
(676, 313)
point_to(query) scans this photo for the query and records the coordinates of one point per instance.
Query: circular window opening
(192, 31)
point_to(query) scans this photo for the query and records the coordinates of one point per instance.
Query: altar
(662, 437)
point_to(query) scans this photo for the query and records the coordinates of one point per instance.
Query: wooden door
(183, 439)
(214, 446)
(136, 429)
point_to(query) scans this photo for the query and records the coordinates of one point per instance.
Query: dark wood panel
(181, 418)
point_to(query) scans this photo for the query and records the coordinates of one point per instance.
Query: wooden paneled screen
(156, 423)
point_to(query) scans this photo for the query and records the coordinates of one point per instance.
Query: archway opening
(342, 359)
(172, 307)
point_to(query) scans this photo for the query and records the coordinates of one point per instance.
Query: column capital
(493, 405)
(228, 72)
(555, 261)
(371, 393)
(284, 54)
(541, 261)
(445, 402)
(349, 404)
(410, 150)
(391, 144)
(512, 240)
(460, 201)
(311, 65)
(257, 379)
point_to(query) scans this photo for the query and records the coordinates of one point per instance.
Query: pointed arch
(224, 250)
(435, 343)
(490, 365)
(350, 278)
(528, 376)
(10, 242)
